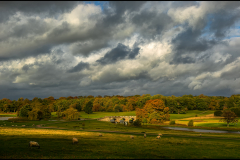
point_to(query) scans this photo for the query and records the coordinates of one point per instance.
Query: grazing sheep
(75, 140)
(159, 134)
(23, 125)
(145, 135)
(33, 144)
(12, 125)
(200, 135)
(100, 134)
(132, 137)
(158, 137)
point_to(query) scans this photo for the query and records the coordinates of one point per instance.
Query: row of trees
(119, 103)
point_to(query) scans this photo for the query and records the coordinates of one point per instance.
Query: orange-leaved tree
(153, 111)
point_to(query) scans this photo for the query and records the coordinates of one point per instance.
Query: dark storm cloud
(221, 22)
(49, 8)
(119, 53)
(156, 23)
(189, 42)
(80, 66)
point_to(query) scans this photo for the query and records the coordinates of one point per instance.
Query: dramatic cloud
(119, 48)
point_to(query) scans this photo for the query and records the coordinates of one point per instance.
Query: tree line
(38, 108)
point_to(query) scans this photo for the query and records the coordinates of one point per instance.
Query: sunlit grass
(58, 144)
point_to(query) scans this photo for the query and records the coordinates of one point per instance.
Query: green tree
(88, 107)
(24, 110)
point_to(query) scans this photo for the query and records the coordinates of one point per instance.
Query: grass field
(58, 144)
(55, 139)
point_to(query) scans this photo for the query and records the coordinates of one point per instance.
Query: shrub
(190, 123)
(196, 115)
(172, 123)
(137, 123)
(218, 113)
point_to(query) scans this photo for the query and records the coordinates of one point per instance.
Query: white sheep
(132, 137)
(158, 137)
(145, 135)
(33, 144)
(159, 134)
(100, 134)
(75, 140)
(12, 125)
(23, 125)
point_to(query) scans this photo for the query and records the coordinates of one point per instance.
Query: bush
(218, 113)
(137, 123)
(196, 115)
(172, 123)
(190, 123)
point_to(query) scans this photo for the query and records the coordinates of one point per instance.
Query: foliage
(88, 107)
(154, 111)
(24, 110)
(172, 122)
(236, 110)
(137, 123)
(218, 113)
(190, 123)
(71, 114)
(229, 117)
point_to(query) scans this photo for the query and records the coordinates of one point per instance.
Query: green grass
(102, 114)
(58, 144)
(190, 113)
(8, 115)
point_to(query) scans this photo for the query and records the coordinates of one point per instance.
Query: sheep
(12, 125)
(159, 134)
(23, 125)
(132, 137)
(145, 135)
(75, 140)
(34, 144)
(158, 137)
(200, 135)
(100, 134)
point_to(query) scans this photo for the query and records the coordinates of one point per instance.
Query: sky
(63, 49)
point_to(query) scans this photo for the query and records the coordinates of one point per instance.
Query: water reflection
(201, 130)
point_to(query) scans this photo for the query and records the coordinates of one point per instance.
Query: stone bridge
(117, 118)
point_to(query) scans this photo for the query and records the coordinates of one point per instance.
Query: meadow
(55, 139)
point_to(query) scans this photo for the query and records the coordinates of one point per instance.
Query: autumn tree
(71, 114)
(229, 117)
(153, 111)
